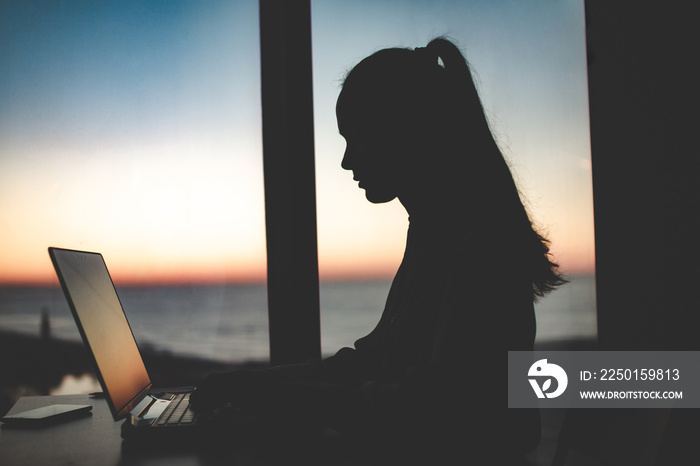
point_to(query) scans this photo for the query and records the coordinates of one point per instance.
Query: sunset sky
(133, 128)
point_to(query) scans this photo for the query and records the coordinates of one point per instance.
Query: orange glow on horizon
(126, 277)
(338, 268)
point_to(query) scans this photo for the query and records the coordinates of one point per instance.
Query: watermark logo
(547, 371)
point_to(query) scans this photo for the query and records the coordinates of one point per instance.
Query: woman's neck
(431, 207)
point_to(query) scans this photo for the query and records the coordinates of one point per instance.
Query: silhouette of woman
(431, 377)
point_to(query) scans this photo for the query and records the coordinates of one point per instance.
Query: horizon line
(208, 281)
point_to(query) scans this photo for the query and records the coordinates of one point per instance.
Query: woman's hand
(246, 390)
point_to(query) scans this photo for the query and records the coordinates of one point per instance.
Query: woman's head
(415, 129)
(414, 124)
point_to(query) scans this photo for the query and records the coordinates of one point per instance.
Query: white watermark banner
(604, 379)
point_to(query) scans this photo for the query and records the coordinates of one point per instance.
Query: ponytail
(452, 59)
(470, 114)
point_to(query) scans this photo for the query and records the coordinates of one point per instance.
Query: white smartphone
(46, 415)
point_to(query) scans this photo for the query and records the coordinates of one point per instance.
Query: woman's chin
(379, 197)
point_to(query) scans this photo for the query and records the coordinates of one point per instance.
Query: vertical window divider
(289, 177)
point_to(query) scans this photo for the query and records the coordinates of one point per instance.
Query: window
(134, 129)
(529, 60)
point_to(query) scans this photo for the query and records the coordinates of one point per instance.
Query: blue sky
(133, 128)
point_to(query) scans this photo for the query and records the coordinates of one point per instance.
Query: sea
(228, 323)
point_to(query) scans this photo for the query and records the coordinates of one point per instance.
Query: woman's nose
(346, 163)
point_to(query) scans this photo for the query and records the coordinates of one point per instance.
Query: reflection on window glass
(529, 62)
(133, 128)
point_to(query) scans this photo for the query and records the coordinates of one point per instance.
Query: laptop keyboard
(178, 411)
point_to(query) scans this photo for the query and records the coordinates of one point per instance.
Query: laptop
(115, 355)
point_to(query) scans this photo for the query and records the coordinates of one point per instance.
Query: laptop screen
(100, 318)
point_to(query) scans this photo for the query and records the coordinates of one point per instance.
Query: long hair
(428, 97)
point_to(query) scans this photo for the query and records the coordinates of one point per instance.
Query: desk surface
(96, 440)
(90, 440)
